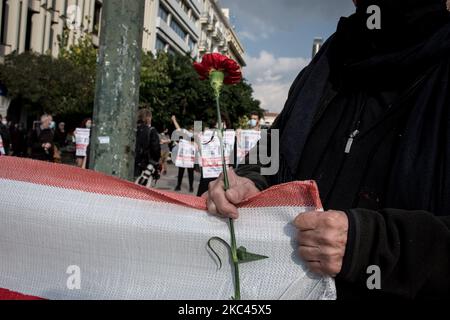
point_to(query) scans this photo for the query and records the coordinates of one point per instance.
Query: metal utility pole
(117, 88)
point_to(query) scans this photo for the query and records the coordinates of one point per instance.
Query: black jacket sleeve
(4, 133)
(411, 248)
(154, 145)
(34, 143)
(253, 172)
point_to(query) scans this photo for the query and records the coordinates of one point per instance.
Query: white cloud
(260, 19)
(271, 77)
(248, 35)
(258, 29)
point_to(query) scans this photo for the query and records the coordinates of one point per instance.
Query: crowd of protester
(52, 142)
(44, 141)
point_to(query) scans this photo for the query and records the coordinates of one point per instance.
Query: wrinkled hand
(322, 240)
(224, 203)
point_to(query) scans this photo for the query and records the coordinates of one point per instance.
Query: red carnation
(217, 62)
(220, 70)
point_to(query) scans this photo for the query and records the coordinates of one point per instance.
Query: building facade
(217, 33)
(269, 118)
(37, 25)
(190, 27)
(172, 26)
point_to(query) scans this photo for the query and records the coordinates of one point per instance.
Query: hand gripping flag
(67, 233)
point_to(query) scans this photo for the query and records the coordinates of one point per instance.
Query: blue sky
(278, 36)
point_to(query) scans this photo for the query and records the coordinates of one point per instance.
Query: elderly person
(369, 120)
(42, 140)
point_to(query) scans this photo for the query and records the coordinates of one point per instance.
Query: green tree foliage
(43, 83)
(169, 85)
(57, 86)
(83, 54)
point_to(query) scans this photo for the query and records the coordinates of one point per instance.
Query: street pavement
(168, 182)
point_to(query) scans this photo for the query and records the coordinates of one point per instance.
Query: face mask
(88, 125)
(5, 122)
(53, 125)
(253, 123)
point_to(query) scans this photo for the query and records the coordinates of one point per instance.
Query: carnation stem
(237, 284)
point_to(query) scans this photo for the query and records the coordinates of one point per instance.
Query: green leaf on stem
(245, 257)
(214, 251)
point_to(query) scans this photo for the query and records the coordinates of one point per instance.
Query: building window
(192, 44)
(184, 6)
(160, 44)
(163, 13)
(171, 51)
(97, 17)
(178, 29)
(3, 24)
(20, 24)
(194, 19)
(28, 30)
(52, 36)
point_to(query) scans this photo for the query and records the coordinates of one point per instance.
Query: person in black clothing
(18, 140)
(148, 147)
(184, 134)
(41, 141)
(369, 120)
(61, 135)
(4, 133)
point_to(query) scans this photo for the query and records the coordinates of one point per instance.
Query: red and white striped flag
(67, 233)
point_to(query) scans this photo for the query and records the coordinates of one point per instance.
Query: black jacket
(393, 181)
(4, 133)
(39, 137)
(148, 147)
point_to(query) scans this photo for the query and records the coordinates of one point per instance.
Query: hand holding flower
(223, 203)
(222, 70)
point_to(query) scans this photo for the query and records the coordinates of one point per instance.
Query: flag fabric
(67, 233)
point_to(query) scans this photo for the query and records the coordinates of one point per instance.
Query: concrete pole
(117, 92)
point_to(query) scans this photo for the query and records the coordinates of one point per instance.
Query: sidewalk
(169, 181)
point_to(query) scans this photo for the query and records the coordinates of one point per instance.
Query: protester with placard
(209, 146)
(211, 153)
(246, 141)
(82, 141)
(184, 155)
